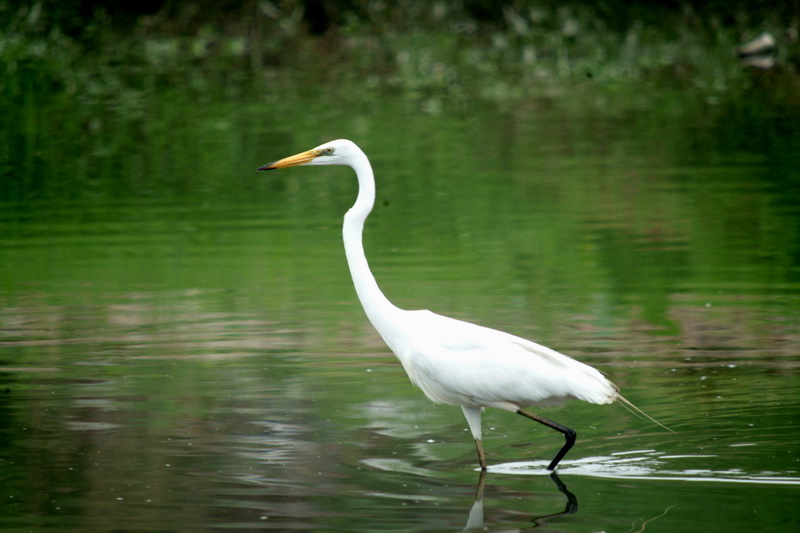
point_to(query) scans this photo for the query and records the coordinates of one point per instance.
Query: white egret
(452, 361)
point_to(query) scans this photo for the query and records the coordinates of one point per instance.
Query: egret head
(338, 152)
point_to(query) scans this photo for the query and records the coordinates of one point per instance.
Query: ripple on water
(647, 465)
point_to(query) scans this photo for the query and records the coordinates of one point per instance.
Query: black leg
(569, 435)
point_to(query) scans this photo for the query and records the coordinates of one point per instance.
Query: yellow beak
(298, 159)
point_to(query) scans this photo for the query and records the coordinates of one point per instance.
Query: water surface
(181, 347)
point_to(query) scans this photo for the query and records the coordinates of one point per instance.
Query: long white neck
(378, 308)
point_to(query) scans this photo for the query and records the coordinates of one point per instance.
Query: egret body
(452, 361)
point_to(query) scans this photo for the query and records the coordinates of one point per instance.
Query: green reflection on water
(173, 320)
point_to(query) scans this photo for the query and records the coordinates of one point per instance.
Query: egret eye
(328, 151)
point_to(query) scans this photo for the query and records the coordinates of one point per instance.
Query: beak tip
(299, 159)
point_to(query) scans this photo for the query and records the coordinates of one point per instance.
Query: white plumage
(452, 361)
(460, 363)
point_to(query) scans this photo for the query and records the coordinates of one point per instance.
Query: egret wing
(461, 363)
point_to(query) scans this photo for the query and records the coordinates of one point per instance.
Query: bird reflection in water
(475, 520)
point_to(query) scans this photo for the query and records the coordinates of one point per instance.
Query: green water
(181, 347)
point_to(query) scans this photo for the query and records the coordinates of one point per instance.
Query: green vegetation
(465, 49)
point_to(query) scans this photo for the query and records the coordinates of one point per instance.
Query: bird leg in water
(481, 455)
(569, 434)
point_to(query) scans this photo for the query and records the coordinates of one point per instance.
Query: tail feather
(639, 413)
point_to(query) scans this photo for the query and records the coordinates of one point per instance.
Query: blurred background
(181, 347)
